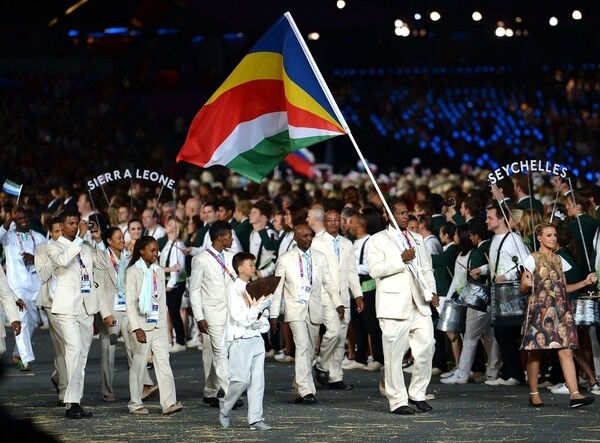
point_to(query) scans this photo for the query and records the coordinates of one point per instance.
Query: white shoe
(595, 388)
(176, 347)
(346, 361)
(260, 426)
(369, 358)
(270, 354)
(448, 374)
(562, 389)
(408, 369)
(454, 380)
(557, 385)
(352, 364)
(501, 382)
(545, 384)
(282, 357)
(193, 343)
(372, 366)
(482, 379)
(429, 397)
(436, 371)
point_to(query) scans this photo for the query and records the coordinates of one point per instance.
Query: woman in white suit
(111, 296)
(146, 306)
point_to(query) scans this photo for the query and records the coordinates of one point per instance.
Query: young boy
(246, 319)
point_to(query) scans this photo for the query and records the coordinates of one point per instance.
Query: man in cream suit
(403, 272)
(340, 258)
(8, 305)
(304, 272)
(75, 301)
(211, 276)
(45, 271)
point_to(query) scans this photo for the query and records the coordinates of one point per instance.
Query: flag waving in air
(12, 188)
(274, 102)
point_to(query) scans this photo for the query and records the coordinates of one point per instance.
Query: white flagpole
(338, 113)
(19, 195)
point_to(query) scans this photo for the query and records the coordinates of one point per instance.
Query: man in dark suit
(243, 228)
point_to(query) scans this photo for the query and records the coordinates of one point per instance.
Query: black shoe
(321, 376)
(76, 411)
(211, 401)
(307, 399)
(60, 403)
(341, 386)
(578, 402)
(238, 404)
(422, 406)
(221, 393)
(404, 410)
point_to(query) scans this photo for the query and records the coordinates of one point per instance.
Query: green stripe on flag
(265, 156)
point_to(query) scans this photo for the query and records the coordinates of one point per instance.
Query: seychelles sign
(526, 166)
(142, 174)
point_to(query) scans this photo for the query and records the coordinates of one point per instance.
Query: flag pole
(337, 111)
(362, 159)
(19, 195)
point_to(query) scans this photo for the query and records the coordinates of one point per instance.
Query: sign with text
(139, 174)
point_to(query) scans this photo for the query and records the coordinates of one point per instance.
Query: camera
(92, 225)
(450, 202)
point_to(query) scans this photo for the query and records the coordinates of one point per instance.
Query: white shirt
(363, 268)
(287, 242)
(157, 232)
(171, 254)
(433, 245)
(21, 277)
(459, 280)
(241, 317)
(513, 246)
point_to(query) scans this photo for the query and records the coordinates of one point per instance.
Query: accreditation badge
(153, 316)
(304, 294)
(85, 284)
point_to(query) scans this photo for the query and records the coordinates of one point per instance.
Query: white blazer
(288, 268)
(345, 271)
(209, 287)
(134, 278)
(397, 289)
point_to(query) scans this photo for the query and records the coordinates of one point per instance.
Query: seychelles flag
(275, 102)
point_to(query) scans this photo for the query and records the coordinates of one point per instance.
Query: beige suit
(157, 341)
(403, 312)
(208, 299)
(304, 318)
(106, 279)
(45, 270)
(345, 273)
(7, 304)
(74, 310)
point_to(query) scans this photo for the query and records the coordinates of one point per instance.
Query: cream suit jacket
(396, 287)
(346, 269)
(68, 297)
(107, 287)
(45, 271)
(133, 285)
(288, 268)
(209, 288)
(8, 299)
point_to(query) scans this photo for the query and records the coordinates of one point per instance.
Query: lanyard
(20, 240)
(405, 234)
(222, 264)
(301, 264)
(113, 260)
(154, 285)
(83, 268)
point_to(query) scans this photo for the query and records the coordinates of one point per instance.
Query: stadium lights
(577, 15)
(341, 4)
(553, 21)
(435, 16)
(418, 16)
(476, 16)
(314, 36)
(500, 31)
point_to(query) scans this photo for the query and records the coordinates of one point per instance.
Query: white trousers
(416, 333)
(305, 336)
(214, 360)
(333, 343)
(76, 331)
(246, 372)
(59, 375)
(157, 342)
(478, 324)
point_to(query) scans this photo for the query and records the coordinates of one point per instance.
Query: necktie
(306, 256)
(222, 258)
(336, 248)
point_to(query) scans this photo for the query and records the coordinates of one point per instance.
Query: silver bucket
(476, 295)
(508, 304)
(453, 317)
(587, 312)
